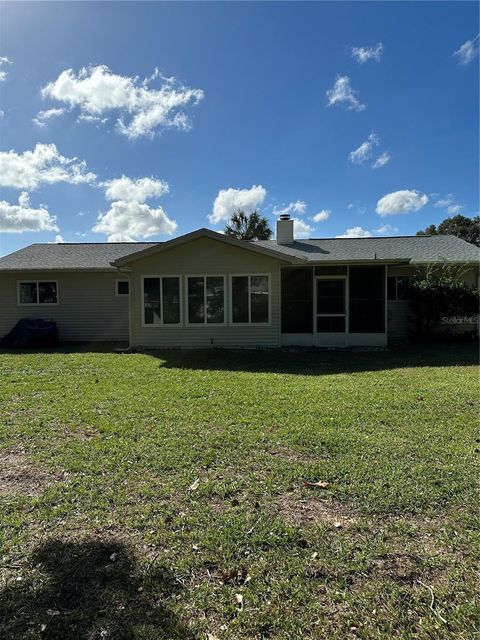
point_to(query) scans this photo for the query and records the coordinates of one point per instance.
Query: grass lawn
(162, 495)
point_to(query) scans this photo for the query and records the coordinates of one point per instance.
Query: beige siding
(88, 309)
(399, 312)
(205, 256)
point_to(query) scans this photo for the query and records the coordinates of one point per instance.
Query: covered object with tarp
(30, 333)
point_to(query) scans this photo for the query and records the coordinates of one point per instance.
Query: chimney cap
(284, 216)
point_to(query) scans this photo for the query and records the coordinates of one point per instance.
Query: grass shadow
(89, 590)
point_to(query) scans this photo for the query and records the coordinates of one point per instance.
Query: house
(206, 290)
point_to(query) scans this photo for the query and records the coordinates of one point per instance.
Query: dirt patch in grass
(287, 454)
(316, 510)
(18, 475)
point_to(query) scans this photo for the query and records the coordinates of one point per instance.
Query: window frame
(37, 303)
(249, 323)
(225, 301)
(397, 299)
(149, 325)
(121, 295)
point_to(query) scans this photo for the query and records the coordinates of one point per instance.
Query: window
(398, 287)
(206, 299)
(161, 300)
(122, 287)
(250, 299)
(33, 292)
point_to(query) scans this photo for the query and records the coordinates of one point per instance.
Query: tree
(248, 226)
(465, 228)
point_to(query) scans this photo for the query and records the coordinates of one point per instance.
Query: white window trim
(249, 323)
(205, 323)
(36, 304)
(155, 325)
(397, 299)
(122, 295)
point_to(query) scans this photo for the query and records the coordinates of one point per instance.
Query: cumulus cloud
(228, 201)
(129, 217)
(448, 203)
(139, 109)
(57, 240)
(468, 51)
(402, 201)
(301, 229)
(342, 94)
(4, 61)
(386, 229)
(17, 218)
(138, 190)
(364, 54)
(382, 160)
(299, 206)
(43, 165)
(42, 117)
(355, 232)
(322, 215)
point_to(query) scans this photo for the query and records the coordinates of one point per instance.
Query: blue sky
(361, 112)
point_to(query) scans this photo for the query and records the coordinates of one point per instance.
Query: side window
(122, 288)
(39, 292)
(398, 287)
(206, 299)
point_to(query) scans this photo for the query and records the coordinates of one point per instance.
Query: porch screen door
(331, 311)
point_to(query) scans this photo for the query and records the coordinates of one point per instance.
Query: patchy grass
(162, 495)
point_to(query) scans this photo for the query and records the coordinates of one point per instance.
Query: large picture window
(161, 300)
(250, 299)
(38, 292)
(206, 299)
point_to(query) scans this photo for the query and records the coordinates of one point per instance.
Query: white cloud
(228, 201)
(58, 239)
(363, 54)
(43, 116)
(294, 207)
(43, 165)
(301, 229)
(17, 218)
(382, 160)
(365, 150)
(136, 190)
(468, 51)
(140, 110)
(3, 74)
(2, 114)
(402, 201)
(355, 232)
(386, 229)
(448, 203)
(129, 217)
(361, 209)
(322, 215)
(343, 94)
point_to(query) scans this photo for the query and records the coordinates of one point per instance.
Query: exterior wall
(88, 309)
(399, 312)
(205, 256)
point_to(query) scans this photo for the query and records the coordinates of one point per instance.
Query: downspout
(128, 272)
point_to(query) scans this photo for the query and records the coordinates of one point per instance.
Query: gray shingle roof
(70, 256)
(414, 248)
(99, 255)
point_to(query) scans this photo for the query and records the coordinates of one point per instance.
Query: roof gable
(270, 251)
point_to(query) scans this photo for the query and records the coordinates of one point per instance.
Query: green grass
(153, 492)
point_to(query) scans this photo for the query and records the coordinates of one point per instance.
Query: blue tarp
(30, 333)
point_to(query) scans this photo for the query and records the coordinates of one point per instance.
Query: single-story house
(204, 289)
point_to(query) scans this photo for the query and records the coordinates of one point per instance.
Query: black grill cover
(29, 333)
